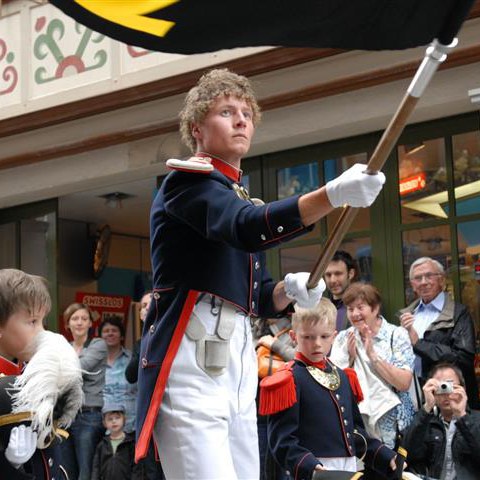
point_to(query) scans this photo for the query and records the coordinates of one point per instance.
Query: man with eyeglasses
(440, 329)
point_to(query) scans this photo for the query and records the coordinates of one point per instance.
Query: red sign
(103, 307)
(477, 271)
(413, 184)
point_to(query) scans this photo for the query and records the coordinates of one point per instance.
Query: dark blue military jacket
(322, 423)
(204, 238)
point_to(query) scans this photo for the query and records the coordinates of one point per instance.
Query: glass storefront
(430, 206)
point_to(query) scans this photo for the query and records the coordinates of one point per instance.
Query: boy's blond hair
(324, 312)
(22, 291)
(201, 97)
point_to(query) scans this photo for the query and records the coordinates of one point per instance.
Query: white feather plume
(53, 372)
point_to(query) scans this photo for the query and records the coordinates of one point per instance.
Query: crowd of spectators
(102, 438)
(433, 347)
(433, 344)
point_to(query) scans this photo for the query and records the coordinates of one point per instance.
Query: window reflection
(466, 172)
(303, 259)
(333, 168)
(361, 251)
(299, 259)
(422, 177)
(297, 180)
(469, 263)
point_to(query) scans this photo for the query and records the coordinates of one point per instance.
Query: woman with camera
(443, 440)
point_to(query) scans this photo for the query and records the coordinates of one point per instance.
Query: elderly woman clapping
(383, 359)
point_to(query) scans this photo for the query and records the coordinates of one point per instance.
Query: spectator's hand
(458, 401)
(21, 445)
(266, 341)
(352, 346)
(393, 463)
(295, 285)
(366, 335)
(354, 187)
(429, 390)
(406, 321)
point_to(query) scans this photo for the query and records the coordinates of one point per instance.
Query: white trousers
(207, 425)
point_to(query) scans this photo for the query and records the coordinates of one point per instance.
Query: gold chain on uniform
(329, 380)
(241, 191)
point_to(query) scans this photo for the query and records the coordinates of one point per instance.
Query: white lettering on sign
(94, 301)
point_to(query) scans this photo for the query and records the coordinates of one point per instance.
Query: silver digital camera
(446, 386)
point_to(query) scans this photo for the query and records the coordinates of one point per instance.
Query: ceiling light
(115, 199)
(432, 203)
(474, 95)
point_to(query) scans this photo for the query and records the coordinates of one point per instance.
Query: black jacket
(115, 466)
(425, 442)
(450, 338)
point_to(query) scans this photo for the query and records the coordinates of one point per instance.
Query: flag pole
(435, 54)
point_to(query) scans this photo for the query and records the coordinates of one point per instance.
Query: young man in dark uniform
(198, 374)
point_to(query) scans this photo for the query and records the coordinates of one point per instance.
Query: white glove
(355, 188)
(21, 446)
(295, 285)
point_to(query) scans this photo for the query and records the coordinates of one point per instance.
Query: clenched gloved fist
(354, 187)
(21, 446)
(295, 285)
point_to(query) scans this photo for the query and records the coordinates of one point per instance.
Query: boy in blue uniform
(198, 372)
(314, 422)
(24, 303)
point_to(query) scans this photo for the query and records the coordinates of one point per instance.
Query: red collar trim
(9, 368)
(223, 167)
(322, 364)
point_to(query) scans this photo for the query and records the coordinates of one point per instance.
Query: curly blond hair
(201, 97)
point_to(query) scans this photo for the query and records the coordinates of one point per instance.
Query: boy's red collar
(222, 166)
(9, 368)
(322, 364)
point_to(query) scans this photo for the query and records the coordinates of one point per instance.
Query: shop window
(360, 249)
(297, 180)
(303, 259)
(422, 177)
(469, 266)
(466, 172)
(299, 259)
(431, 242)
(333, 168)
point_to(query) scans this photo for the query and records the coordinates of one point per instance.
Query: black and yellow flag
(195, 26)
